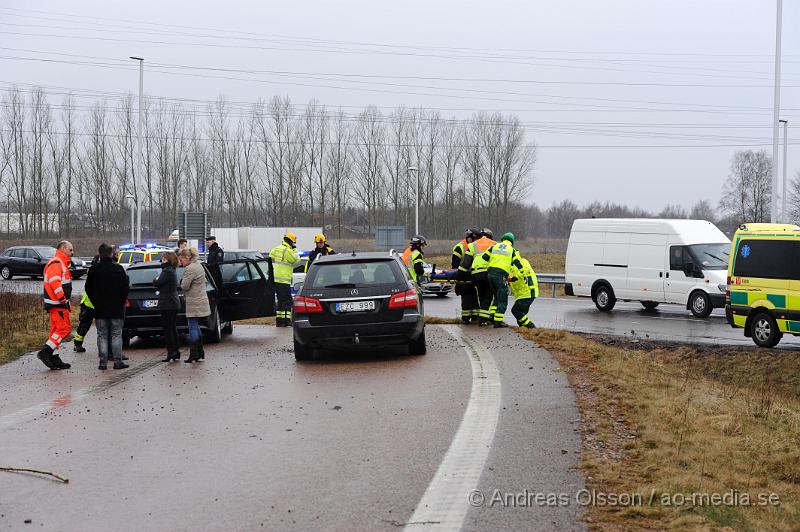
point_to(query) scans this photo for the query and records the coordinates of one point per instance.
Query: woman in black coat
(168, 303)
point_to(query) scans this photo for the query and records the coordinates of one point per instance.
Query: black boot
(500, 325)
(193, 353)
(78, 346)
(172, 356)
(200, 351)
(58, 363)
(119, 364)
(46, 356)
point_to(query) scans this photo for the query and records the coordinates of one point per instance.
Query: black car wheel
(214, 334)
(700, 304)
(418, 347)
(5, 272)
(604, 298)
(303, 353)
(228, 329)
(764, 330)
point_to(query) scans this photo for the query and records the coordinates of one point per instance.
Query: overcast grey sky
(602, 86)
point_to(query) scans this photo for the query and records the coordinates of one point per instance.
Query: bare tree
(747, 193)
(702, 210)
(793, 199)
(673, 212)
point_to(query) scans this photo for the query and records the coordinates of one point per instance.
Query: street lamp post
(415, 170)
(783, 198)
(133, 202)
(776, 111)
(139, 150)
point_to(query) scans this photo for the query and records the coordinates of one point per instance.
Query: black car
(358, 299)
(246, 291)
(30, 261)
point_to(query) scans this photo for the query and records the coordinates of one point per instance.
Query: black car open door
(247, 290)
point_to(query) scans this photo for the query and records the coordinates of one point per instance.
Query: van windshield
(711, 256)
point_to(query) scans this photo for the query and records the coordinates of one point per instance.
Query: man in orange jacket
(57, 291)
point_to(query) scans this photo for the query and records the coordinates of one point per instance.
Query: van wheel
(700, 304)
(302, 353)
(764, 330)
(604, 298)
(649, 305)
(418, 347)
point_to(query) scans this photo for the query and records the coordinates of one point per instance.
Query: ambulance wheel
(700, 304)
(604, 298)
(764, 330)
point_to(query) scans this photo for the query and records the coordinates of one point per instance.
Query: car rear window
(145, 276)
(353, 274)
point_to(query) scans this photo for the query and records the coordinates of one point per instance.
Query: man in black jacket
(107, 287)
(215, 253)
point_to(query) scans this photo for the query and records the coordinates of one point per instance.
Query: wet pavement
(249, 438)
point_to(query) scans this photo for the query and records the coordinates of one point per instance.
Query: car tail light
(306, 305)
(407, 299)
(127, 303)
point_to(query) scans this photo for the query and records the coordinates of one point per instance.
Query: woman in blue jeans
(193, 285)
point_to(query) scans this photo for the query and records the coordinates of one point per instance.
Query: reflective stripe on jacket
(284, 259)
(501, 256)
(57, 282)
(474, 255)
(85, 301)
(525, 284)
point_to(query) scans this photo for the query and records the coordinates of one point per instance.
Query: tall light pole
(776, 112)
(415, 170)
(785, 219)
(133, 203)
(139, 151)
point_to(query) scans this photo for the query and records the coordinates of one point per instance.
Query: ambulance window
(125, 258)
(765, 259)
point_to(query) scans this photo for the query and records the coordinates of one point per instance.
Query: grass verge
(24, 325)
(665, 421)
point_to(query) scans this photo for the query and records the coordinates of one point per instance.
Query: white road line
(446, 501)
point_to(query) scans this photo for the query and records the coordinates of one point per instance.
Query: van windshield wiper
(340, 285)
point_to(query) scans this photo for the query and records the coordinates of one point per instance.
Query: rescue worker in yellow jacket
(465, 288)
(284, 259)
(474, 268)
(500, 258)
(525, 288)
(321, 248)
(413, 257)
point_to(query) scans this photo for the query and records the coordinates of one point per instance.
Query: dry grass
(257, 321)
(25, 325)
(661, 419)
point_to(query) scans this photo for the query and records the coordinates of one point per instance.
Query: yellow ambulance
(763, 294)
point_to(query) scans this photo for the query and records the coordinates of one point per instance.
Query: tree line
(271, 163)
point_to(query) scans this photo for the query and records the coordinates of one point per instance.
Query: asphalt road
(667, 322)
(249, 438)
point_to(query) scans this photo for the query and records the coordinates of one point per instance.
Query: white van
(648, 260)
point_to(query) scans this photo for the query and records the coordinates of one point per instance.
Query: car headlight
(722, 288)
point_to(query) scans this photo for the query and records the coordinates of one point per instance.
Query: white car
(648, 260)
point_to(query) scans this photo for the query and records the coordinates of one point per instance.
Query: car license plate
(355, 306)
(150, 303)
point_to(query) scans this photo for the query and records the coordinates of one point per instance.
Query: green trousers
(520, 311)
(497, 280)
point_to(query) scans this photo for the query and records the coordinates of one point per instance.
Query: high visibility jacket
(416, 263)
(473, 258)
(57, 282)
(85, 301)
(458, 253)
(525, 284)
(406, 256)
(316, 252)
(502, 256)
(284, 259)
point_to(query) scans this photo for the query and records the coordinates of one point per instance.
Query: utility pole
(776, 113)
(139, 190)
(784, 216)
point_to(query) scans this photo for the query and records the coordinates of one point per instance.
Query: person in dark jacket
(215, 253)
(107, 287)
(168, 303)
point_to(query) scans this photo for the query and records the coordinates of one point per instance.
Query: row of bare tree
(271, 163)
